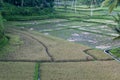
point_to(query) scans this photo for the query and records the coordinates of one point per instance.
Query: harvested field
(16, 71)
(29, 50)
(94, 70)
(69, 51)
(63, 50)
(99, 54)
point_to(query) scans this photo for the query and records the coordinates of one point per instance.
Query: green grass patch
(116, 52)
(26, 18)
(36, 73)
(3, 41)
(9, 46)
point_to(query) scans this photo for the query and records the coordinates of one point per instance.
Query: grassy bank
(115, 52)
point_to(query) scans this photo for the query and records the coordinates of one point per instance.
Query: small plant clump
(116, 52)
(36, 73)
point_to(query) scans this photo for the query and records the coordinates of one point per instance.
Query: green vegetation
(115, 52)
(13, 10)
(111, 3)
(28, 18)
(11, 46)
(36, 73)
(35, 55)
(3, 42)
(117, 27)
(3, 38)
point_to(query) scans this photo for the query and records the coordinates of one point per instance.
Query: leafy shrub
(1, 27)
(3, 38)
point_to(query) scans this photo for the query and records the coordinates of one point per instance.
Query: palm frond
(111, 3)
(116, 38)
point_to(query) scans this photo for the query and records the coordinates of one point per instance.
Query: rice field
(16, 71)
(99, 54)
(29, 49)
(77, 60)
(95, 70)
(63, 50)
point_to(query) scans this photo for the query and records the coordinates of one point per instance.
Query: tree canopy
(31, 3)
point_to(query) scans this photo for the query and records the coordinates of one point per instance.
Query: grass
(3, 42)
(25, 18)
(95, 70)
(115, 52)
(16, 71)
(35, 23)
(36, 73)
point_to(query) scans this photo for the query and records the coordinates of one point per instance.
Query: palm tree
(111, 3)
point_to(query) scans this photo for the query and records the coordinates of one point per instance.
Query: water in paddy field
(87, 38)
(93, 35)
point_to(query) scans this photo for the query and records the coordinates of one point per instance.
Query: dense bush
(3, 38)
(1, 27)
(11, 10)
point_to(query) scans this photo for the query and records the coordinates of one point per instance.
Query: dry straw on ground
(63, 50)
(94, 70)
(16, 71)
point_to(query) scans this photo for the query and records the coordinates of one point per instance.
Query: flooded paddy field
(95, 35)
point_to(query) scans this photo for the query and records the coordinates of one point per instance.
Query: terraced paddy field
(95, 70)
(16, 71)
(91, 32)
(63, 61)
(52, 44)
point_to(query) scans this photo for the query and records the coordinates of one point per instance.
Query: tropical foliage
(111, 3)
(117, 27)
(31, 3)
(3, 38)
(1, 27)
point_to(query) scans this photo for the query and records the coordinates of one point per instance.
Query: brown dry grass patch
(94, 70)
(16, 71)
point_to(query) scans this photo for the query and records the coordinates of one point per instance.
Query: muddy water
(94, 35)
